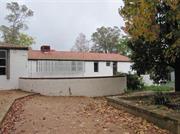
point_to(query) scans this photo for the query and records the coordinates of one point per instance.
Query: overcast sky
(58, 22)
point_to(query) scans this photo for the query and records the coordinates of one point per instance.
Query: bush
(134, 82)
(161, 99)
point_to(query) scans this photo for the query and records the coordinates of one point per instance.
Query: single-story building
(52, 72)
(51, 63)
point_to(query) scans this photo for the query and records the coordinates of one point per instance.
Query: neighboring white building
(147, 80)
(172, 76)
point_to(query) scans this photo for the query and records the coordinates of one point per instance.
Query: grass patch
(161, 88)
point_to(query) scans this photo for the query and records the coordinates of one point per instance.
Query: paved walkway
(75, 115)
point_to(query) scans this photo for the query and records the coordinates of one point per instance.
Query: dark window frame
(96, 66)
(5, 67)
(108, 63)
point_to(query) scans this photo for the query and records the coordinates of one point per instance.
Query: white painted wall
(172, 76)
(124, 67)
(90, 87)
(103, 69)
(18, 68)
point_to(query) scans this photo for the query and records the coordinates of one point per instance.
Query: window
(59, 67)
(79, 66)
(73, 66)
(96, 67)
(3, 60)
(108, 63)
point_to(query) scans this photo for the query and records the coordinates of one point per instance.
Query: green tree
(123, 47)
(105, 39)
(17, 22)
(25, 40)
(154, 28)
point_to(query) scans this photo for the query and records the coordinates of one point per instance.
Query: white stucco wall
(172, 76)
(90, 87)
(124, 67)
(103, 69)
(32, 68)
(18, 68)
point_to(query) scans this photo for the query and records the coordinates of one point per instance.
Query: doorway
(114, 68)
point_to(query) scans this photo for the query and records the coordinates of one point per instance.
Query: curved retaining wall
(76, 86)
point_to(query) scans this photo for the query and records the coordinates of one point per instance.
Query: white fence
(82, 86)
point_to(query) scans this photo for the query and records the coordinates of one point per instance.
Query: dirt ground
(74, 115)
(7, 98)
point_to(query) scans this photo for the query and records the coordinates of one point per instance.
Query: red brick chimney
(45, 48)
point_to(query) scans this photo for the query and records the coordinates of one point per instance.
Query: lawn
(159, 88)
(169, 86)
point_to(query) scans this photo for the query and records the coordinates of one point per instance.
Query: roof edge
(79, 60)
(12, 46)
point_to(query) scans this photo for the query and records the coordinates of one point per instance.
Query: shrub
(161, 99)
(134, 82)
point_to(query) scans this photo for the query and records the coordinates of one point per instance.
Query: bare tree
(81, 44)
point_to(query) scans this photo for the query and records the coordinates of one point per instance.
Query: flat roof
(12, 46)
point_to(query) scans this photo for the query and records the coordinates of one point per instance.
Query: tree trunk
(177, 75)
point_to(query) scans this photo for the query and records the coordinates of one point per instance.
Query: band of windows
(59, 66)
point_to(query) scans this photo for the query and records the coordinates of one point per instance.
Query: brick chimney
(45, 48)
